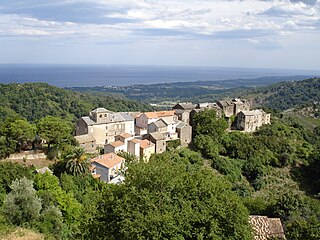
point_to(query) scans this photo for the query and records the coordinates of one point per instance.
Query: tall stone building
(234, 106)
(250, 121)
(104, 125)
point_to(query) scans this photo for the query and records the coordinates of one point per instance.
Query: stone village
(145, 133)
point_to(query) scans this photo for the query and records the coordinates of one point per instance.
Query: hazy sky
(247, 33)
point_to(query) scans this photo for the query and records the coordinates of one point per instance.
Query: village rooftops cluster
(145, 133)
(246, 120)
(140, 134)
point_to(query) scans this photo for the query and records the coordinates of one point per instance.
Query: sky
(246, 33)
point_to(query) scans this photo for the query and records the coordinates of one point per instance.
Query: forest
(206, 191)
(33, 101)
(208, 91)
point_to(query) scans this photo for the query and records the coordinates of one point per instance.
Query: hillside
(187, 91)
(287, 95)
(36, 100)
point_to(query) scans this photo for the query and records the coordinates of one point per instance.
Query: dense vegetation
(291, 92)
(275, 170)
(199, 91)
(172, 197)
(206, 191)
(287, 95)
(37, 100)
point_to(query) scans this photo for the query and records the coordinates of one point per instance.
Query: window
(100, 116)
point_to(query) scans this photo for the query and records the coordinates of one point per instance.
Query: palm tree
(77, 162)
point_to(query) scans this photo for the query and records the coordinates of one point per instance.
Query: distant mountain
(287, 95)
(36, 100)
(187, 91)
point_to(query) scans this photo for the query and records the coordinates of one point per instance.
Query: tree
(7, 146)
(11, 171)
(165, 199)
(22, 205)
(208, 131)
(49, 188)
(57, 131)
(50, 222)
(207, 123)
(129, 157)
(77, 162)
(22, 132)
(54, 130)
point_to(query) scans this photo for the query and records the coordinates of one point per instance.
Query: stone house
(123, 137)
(159, 140)
(158, 126)
(183, 115)
(234, 106)
(171, 125)
(250, 121)
(104, 125)
(134, 147)
(241, 105)
(227, 107)
(143, 120)
(215, 106)
(184, 131)
(184, 106)
(88, 142)
(147, 148)
(107, 166)
(182, 111)
(115, 147)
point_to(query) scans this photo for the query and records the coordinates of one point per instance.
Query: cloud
(287, 9)
(123, 20)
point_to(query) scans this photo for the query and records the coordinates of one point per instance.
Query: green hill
(287, 95)
(36, 100)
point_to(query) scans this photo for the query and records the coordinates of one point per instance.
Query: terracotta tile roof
(108, 160)
(165, 113)
(125, 135)
(266, 228)
(151, 115)
(146, 144)
(92, 168)
(135, 140)
(116, 144)
(159, 114)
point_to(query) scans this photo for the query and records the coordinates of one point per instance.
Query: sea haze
(101, 75)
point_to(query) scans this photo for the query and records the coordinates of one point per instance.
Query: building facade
(250, 121)
(107, 166)
(104, 125)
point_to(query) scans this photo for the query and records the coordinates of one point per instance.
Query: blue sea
(116, 75)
